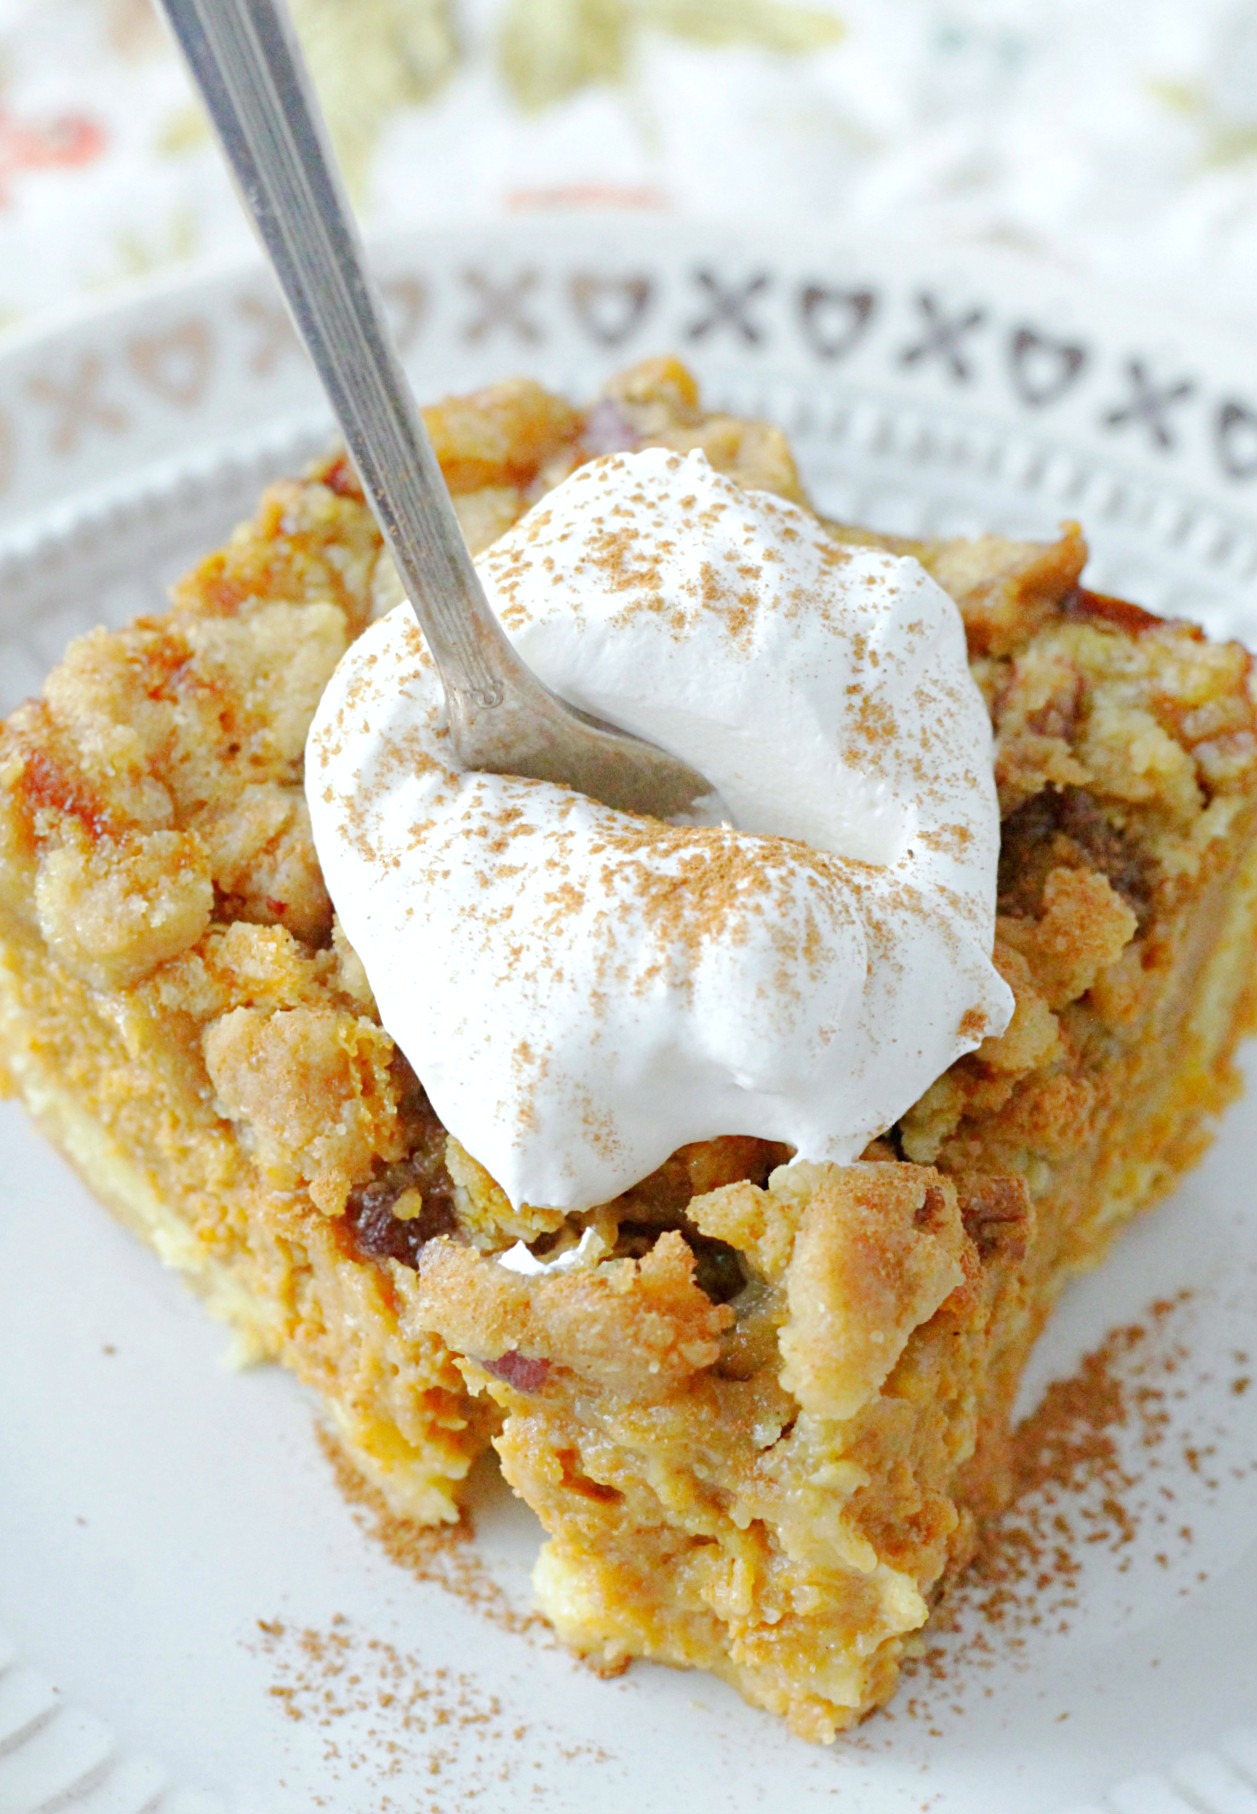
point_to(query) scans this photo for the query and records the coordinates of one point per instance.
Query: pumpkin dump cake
(756, 1385)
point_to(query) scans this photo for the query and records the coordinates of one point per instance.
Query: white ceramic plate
(154, 1506)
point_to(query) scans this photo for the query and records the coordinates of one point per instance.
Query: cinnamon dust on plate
(1097, 1468)
(1094, 1467)
(443, 1555)
(398, 1734)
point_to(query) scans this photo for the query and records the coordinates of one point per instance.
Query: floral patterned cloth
(1115, 136)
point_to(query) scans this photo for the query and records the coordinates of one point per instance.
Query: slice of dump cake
(760, 1407)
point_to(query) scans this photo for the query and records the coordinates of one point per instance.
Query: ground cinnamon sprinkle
(444, 1555)
(403, 1736)
(1091, 1472)
(399, 1734)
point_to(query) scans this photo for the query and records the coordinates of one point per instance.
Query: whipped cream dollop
(581, 990)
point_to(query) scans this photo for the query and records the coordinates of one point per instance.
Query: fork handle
(246, 62)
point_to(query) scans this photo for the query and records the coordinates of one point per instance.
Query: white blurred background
(1115, 137)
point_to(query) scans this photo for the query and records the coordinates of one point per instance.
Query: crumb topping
(153, 831)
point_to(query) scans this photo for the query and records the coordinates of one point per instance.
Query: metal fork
(246, 62)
